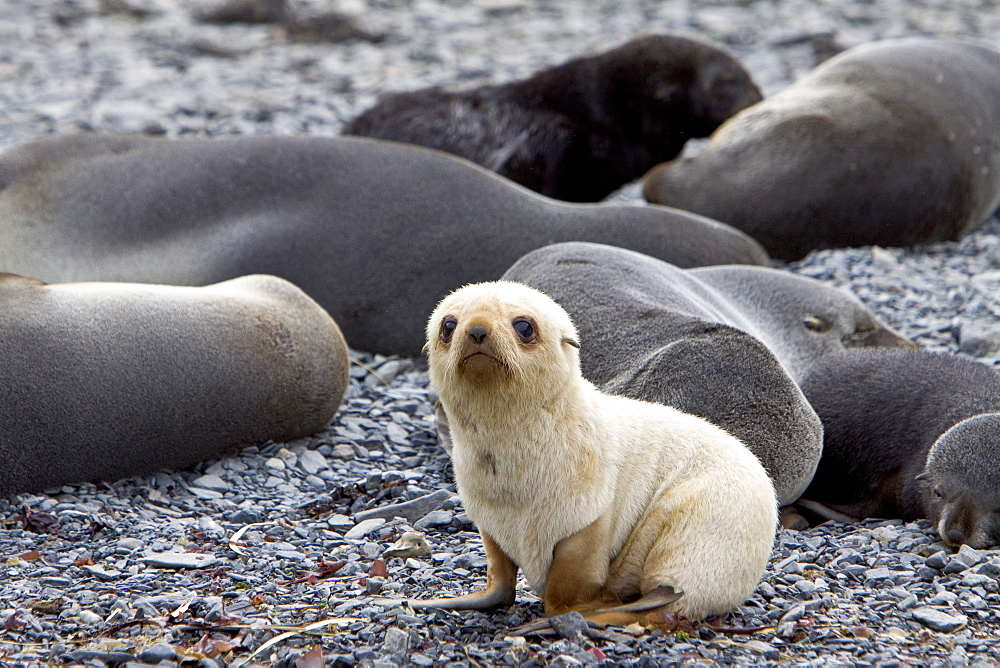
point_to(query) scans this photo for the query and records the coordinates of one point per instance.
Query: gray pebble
(180, 560)
(161, 651)
(939, 621)
(362, 529)
(395, 640)
(435, 518)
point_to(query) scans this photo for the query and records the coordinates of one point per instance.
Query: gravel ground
(273, 556)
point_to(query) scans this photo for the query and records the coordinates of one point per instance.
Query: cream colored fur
(540, 454)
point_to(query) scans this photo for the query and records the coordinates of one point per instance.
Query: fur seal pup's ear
(572, 342)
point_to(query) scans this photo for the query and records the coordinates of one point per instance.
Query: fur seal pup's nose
(477, 333)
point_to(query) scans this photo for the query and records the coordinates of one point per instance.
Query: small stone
(130, 543)
(374, 584)
(362, 529)
(343, 452)
(396, 640)
(275, 464)
(805, 586)
(762, 648)
(939, 621)
(315, 482)
(51, 581)
(287, 456)
(100, 573)
(989, 568)
(877, 574)
(975, 580)
(469, 560)
(979, 341)
(571, 626)
(89, 617)
(311, 461)
(161, 651)
(969, 556)
(937, 561)
(212, 482)
(339, 522)
(245, 516)
(435, 518)
(955, 566)
(179, 560)
(943, 598)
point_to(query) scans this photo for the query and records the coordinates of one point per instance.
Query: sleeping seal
(376, 232)
(610, 506)
(891, 143)
(580, 130)
(722, 343)
(909, 435)
(107, 380)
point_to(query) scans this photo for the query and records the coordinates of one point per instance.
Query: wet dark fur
(582, 129)
(883, 412)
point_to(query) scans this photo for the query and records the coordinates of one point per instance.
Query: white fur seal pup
(610, 506)
(106, 380)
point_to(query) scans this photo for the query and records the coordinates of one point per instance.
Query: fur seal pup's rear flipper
(618, 615)
(501, 580)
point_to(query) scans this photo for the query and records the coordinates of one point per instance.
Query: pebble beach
(276, 555)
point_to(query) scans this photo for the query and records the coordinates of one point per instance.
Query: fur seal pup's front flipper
(501, 580)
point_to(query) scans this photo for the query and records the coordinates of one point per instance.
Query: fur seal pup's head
(963, 480)
(500, 340)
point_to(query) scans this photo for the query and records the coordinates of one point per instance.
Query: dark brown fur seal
(891, 143)
(106, 380)
(726, 345)
(910, 435)
(376, 232)
(580, 130)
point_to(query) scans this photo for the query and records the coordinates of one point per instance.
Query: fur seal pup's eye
(524, 329)
(448, 327)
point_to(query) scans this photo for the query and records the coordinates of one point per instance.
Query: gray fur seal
(727, 345)
(580, 130)
(376, 232)
(108, 380)
(910, 435)
(613, 507)
(891, 143)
